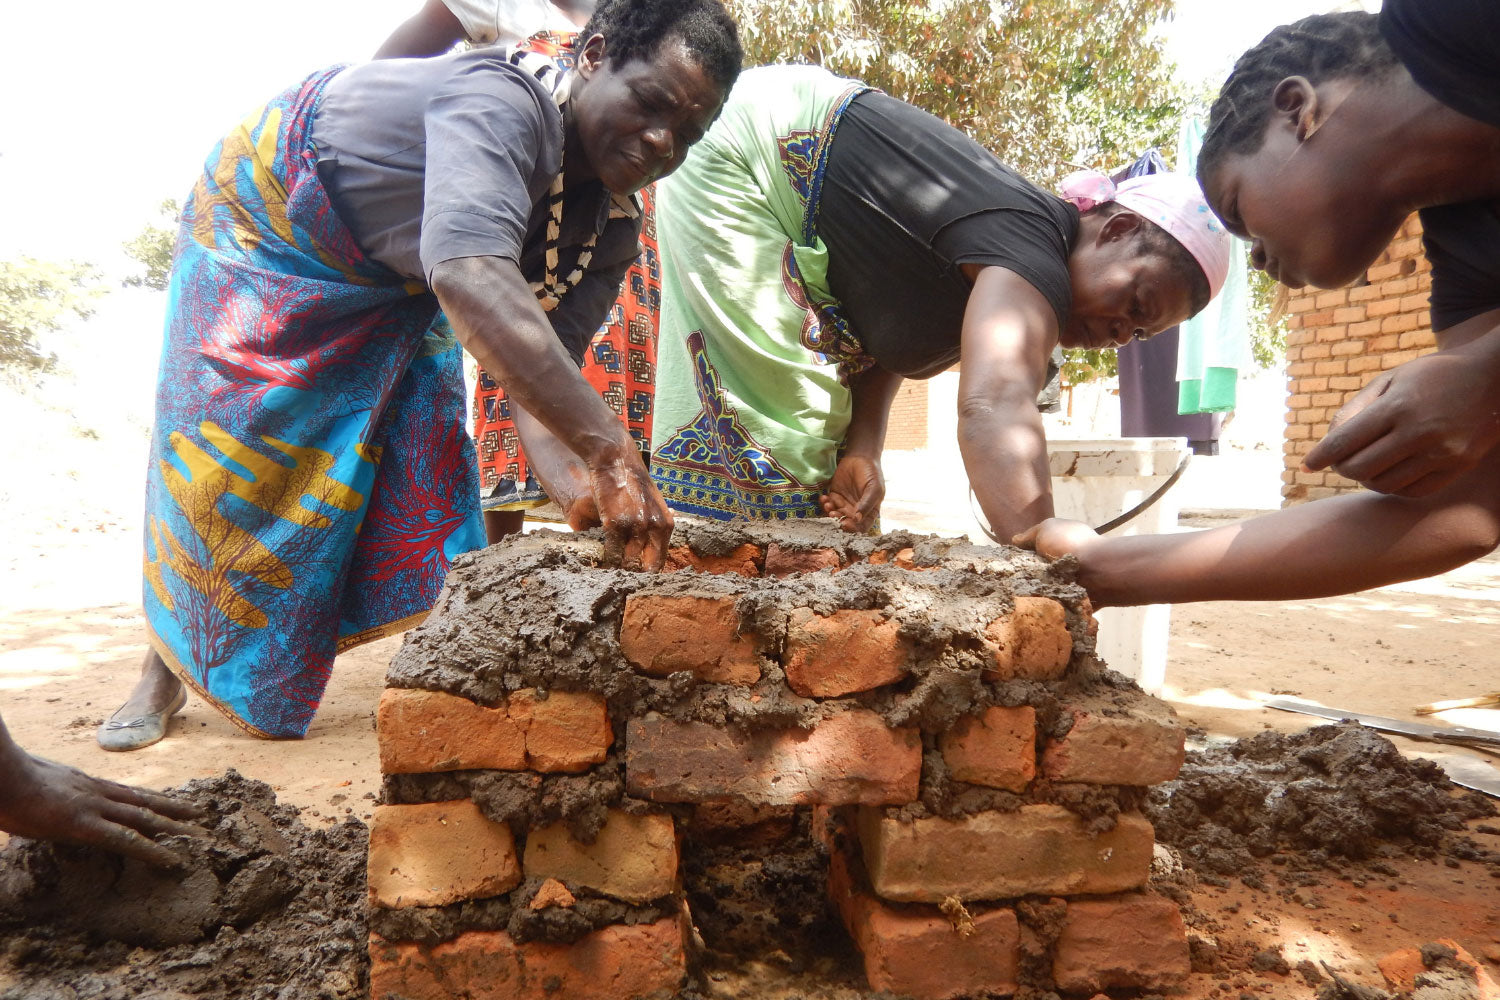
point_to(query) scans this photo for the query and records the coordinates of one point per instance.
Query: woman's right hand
(49, 801)
(637, 523)
(1057, 537)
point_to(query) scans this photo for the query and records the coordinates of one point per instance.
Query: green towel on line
(1215, 344)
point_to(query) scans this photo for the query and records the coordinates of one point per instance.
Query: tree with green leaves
(36, 298)
(1047, 85)
(153, 248)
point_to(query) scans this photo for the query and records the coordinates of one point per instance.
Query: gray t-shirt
(427, 160)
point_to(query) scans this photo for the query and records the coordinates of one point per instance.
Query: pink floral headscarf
(1174, 202)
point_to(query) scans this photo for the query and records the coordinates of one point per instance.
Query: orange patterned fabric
(620, 363)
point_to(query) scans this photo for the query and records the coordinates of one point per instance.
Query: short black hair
(1321, 47)
(1153, 239)
(635, 29)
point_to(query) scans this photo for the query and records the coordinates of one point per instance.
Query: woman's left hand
(854, 493)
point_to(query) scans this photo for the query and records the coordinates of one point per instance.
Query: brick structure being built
(1339, 340)
(591, 772)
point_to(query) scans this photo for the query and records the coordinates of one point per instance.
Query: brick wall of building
(1341, 339)
(907, 429)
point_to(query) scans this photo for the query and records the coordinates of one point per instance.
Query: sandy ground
(71, 639)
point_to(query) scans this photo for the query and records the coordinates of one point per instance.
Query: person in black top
(826, 240)
(1325, 137)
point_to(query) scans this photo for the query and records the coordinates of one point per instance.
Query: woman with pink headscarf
(825, 241)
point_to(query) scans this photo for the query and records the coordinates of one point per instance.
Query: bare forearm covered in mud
(499, 321)
(1320, 549)
(858, 484)
(562, 474)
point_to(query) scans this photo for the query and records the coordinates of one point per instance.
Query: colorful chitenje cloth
(310, 478)
(620, 363)
(752, 398)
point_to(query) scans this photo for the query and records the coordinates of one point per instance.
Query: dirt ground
(71, 639)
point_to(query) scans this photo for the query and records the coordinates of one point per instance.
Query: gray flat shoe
(142, 730)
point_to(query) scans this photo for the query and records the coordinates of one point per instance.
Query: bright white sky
(111, 111)
(112, 108)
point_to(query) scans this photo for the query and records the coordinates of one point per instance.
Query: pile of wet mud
(1329, 797)
(264, 908)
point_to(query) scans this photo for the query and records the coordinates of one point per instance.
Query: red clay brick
(662, 634)
(478, 965)
(1401, 968)
(1418, 339)
(1131, 941)
(784, 562)
(1143, 747)
(422, 731)
(1039, 849)
(1399, 323)
(1386, 306)
(846, 759)
(565, 731)
(617, 962)
(552, 893)
(438, 853)
(841, 653)
(1333, 298)
(916, 952)
(1032, 642)
(996, 748)
(742, 560)
(633, 858)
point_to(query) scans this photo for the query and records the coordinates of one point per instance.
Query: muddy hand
(51, 801)
(1057, 537)
(637, 523)
(854, 494)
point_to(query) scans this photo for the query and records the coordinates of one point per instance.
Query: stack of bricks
(1337, 341)
(552, 730)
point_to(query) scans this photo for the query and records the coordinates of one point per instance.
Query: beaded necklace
(549, 291)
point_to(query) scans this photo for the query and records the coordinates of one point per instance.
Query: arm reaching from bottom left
(50, 801)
